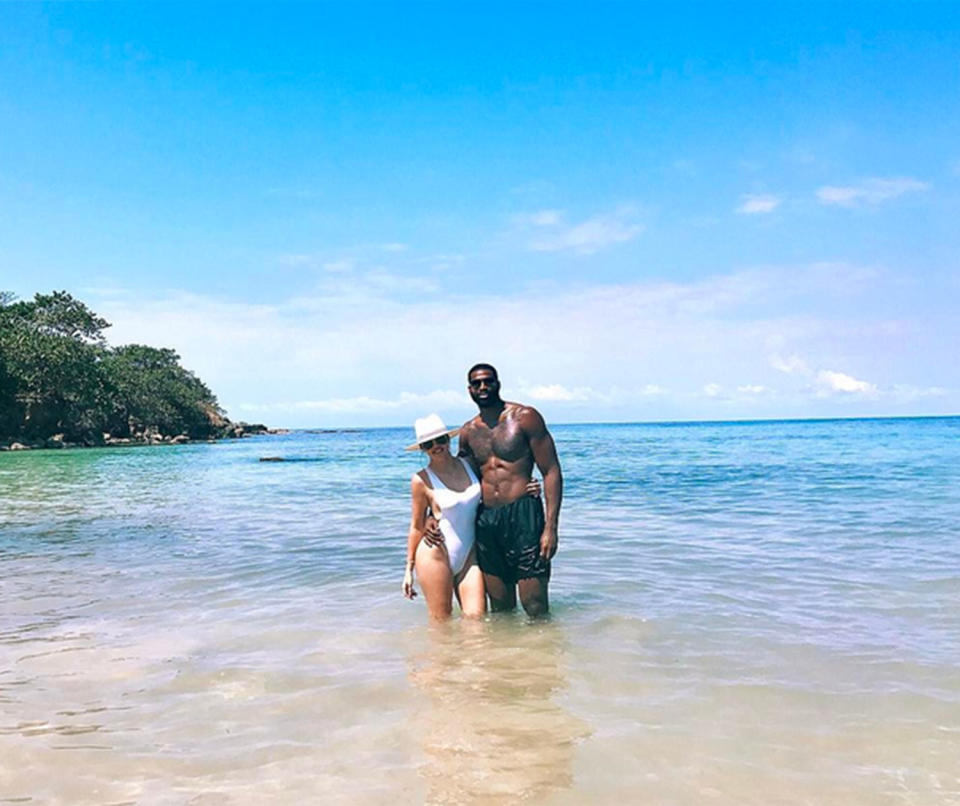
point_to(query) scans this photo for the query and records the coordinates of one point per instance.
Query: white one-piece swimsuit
(458, 516)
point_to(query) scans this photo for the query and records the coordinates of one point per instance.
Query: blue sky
(638, 212)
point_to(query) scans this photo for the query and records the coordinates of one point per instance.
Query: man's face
(484, 388)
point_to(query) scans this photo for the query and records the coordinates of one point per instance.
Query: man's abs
(504, 482)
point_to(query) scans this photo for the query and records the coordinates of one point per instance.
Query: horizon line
(750, 421)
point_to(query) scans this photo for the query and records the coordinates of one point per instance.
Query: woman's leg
(470, 591)
(436, 580)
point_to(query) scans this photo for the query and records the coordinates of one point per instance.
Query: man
(515, 543)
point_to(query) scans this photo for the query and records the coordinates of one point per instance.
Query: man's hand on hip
(432, 535)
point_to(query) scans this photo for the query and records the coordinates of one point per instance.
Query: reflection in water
(488, 713)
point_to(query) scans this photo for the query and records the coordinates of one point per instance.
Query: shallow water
(742, 613)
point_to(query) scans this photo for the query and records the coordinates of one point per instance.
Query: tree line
(58, 376)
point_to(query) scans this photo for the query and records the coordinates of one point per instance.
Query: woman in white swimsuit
(449, 487)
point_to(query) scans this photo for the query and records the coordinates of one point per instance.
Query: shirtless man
(515, 543)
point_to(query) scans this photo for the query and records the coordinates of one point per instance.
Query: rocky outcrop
(242, 429)
(112, 441)
(223, 429)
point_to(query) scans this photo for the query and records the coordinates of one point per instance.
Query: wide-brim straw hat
(430, 427)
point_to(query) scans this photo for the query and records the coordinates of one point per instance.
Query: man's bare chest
(506, 441)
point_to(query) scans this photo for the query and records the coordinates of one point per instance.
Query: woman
(449, 487)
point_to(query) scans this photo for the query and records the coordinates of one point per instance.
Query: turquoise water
(742, 612)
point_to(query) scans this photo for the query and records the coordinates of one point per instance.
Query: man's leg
(533, 571)
(496, 578)
(533, 595)
(503, 595)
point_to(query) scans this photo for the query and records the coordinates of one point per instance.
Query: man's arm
(545, 455)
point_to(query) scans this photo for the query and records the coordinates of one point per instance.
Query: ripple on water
(742, 613)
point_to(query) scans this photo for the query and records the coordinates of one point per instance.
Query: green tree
(51, 349)
(151, 389)
(58, 375)
(9, 414)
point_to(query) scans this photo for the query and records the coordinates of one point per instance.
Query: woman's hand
(408, 590)
(533, 488)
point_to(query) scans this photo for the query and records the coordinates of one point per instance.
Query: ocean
(742, 613)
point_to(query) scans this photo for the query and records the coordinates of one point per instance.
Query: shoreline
(243, 430)
(148, 438)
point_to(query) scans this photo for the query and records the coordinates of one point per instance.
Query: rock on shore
(224, 429)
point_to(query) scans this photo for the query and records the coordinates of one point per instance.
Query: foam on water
(742, 613)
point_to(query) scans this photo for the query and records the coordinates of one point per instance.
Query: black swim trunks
(508, 540)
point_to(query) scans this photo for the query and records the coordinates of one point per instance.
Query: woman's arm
(418, 516)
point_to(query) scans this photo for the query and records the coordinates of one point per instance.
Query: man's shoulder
(526, 415)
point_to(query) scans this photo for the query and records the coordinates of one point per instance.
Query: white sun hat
(430, 427)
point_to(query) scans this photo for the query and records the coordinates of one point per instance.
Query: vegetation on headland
(61, 383)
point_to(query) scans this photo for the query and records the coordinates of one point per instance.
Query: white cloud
(825, 381)
(297, 260)
(753, 389)
(556, 391)
(342, 260)
(908, 393)
(339, 266)
(548, 231)
(589, 236)
(446, 258)
(348, 347)
(791, 365)
(440, 262)
(441, 398)
(615, 395)
(542, 218)
(757, 204)
(829, 381)
(387, 281)
(870, 191)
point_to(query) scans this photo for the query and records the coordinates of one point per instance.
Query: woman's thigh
(436, 580)
(470, 589)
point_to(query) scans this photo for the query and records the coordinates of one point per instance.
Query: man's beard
(490, 402)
